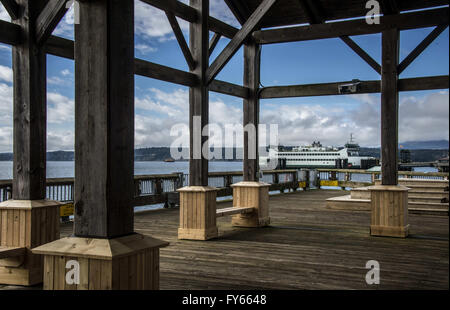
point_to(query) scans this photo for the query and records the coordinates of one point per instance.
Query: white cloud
(425, 118)
(4, 14)
(6, 117)
(60, 140)
(55, 80)
(6, 74)
(145, 49)
(61, 109)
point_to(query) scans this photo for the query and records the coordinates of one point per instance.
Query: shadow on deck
(307, 246)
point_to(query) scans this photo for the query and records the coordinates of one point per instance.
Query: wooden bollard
(124, 263)
(254, 195)
(389, 211)
(197, 213)
(25, 224)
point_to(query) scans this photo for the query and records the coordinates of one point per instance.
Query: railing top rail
(411, 173)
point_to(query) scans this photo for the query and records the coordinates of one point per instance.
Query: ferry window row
(309, 154)
(311, 159)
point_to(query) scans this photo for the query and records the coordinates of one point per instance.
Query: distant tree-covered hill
(416, 155)
(424, 145)
(163, 153)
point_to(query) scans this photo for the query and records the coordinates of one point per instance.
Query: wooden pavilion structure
(104, 244)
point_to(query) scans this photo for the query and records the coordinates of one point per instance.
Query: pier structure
(104, 245)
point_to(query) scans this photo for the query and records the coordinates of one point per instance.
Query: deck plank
(307, 246)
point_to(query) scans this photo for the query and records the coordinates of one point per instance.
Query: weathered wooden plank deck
(307, 246)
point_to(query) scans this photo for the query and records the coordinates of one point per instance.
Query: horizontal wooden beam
(229, 89)
(366, 87)
(163, 73)
(421, 47)
(404, 21)
(311, 90)
(60, 47)
(11, 7)
(189, 14)
(65, 48)
(423, 83)
(10, 33)
(49, 18)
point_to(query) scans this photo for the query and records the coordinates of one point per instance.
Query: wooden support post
(389, 200)
(198, 95)
(198, 200)
(30, 120)
(28, 220)
(251, 193)
(252, 61)
(389, 107)
(104, 164)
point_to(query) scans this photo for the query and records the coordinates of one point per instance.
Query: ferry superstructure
(318, 156)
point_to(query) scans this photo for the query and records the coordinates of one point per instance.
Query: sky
(424, 115)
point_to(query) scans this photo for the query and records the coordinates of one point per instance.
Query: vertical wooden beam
(198, 95)
(104, 119)
(389, 106)
(252, 61)
(30, 121)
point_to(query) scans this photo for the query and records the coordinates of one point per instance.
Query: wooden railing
(358, 178)
(161, 188)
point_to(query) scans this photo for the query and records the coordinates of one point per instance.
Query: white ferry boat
(318, 156)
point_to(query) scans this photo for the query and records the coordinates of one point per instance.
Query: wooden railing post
(295, 180)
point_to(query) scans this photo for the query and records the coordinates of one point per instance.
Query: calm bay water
(65, 169)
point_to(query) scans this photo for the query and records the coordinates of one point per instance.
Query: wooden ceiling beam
(413, 20)
(239, 10)
(313, 12)
(366, 87)
(10, 33)
(389, 7)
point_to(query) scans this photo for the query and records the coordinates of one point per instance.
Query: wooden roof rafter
(421, 47)
(181, 40)
(189, 14)
(239, 10)
(49, 19)
(289, 12)
(11, 7)
(238, 40)
(313, 12)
